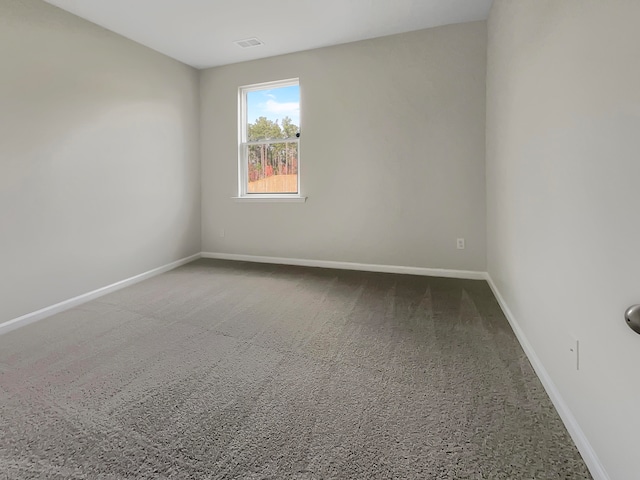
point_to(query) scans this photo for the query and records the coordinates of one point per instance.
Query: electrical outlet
(574, 351)
(460, 243)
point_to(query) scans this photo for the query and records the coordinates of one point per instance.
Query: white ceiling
(201, 32)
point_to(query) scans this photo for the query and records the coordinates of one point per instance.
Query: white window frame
(243, 144)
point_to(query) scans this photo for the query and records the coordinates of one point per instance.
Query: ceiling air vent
(249, 42)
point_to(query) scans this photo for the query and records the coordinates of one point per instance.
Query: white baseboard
(366, 267)
(85, 297)
(584, 447)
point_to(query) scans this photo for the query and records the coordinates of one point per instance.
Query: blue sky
(275, 104)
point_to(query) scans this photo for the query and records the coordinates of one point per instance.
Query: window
(269, 161)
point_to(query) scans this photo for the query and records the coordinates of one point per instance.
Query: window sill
(270, 199)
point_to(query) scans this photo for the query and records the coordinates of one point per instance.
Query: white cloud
(291, 109)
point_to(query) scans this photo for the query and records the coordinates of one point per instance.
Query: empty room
(313, 240)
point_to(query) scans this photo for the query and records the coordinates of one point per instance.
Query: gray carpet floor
(221, 370)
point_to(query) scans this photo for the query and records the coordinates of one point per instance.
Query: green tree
(263, 129)
(289, 154)
(273, 158)
(289, 129)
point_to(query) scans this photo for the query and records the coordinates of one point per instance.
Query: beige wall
(99, 167)
(100, 175)
(563, 163)
(392, 153)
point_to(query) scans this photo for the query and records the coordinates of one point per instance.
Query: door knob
(632, 316)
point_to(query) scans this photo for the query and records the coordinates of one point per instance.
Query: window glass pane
(273, 113)
(273, 168)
